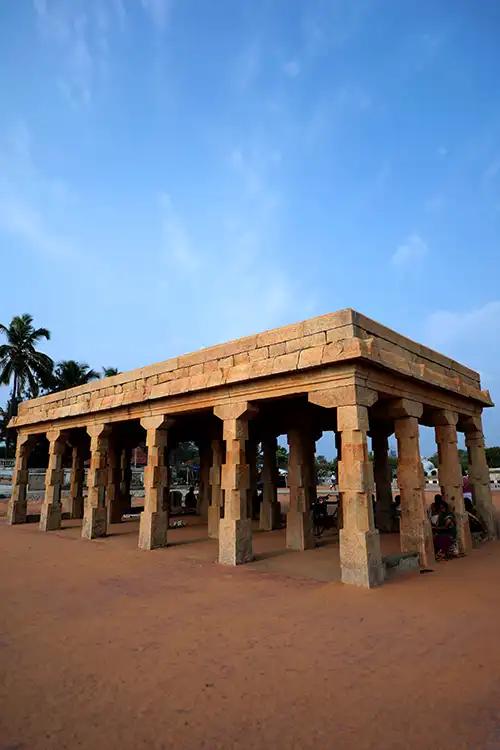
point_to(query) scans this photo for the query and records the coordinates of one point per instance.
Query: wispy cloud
(159, 11)
(292, 68)
(413, 250)
(177, 243)
(80, 34)
(28, 198)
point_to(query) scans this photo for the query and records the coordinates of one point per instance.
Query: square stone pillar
(415, 527)
(16, 510)
(360, 557)
(125, 479)
(95, 520)
(479, 473)
(114, 501)
(383, 477)
(270, 509)
(235, 529)
(153, 525)
(450, 475)
(301, 488)
(205, 450)
(215, 479)
(251, 456)
(76, 482)
(51, 511)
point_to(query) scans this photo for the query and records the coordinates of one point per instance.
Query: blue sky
(175, 173)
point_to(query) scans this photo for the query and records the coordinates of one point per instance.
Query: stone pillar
(125, 479)
(301, 487)
(270, 509)
(154, 518)
(114, 502)
(51, 511)
(479, 473)
(16, 511)
(415, 527)
(95, 515)
(383, 478)
(235, 529)
(360, 557)
(340, 512)
(214, 509)
(251, 456)
(450, 475)
(76, 482)
(205, 450)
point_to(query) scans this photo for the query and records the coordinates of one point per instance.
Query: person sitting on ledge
(433, 509)
(475, 524)
(444, 530)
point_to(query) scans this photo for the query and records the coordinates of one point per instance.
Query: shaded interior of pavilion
(277, 545)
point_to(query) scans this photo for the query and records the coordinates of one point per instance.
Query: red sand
(102, 645)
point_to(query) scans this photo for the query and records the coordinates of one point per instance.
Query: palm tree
(20, 362)
(69, 373)
(108, 372)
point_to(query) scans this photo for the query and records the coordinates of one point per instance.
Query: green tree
(325, 468)
(493, 456)
(20, 362)
(108, 372)
(282, 457)
(462, 456)
(69, 373)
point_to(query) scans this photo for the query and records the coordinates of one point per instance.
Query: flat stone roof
(336, 337)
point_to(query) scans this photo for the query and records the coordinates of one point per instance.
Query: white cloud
(159, 11)
(176, 240)
(292, 68)
(28, 198)
(411, 251)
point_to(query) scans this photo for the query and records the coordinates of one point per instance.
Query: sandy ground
(102, 645)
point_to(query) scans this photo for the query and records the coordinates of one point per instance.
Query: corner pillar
(17, 508)
(95, 514)
(51, 511)
(153, 524)
(360, 557)
(235, 529)
(270, 509)
(450, 475)
(479, 474)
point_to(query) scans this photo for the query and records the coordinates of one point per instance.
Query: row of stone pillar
(226, 482)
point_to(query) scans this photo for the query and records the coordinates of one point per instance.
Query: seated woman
(444, 530)
(475, 524)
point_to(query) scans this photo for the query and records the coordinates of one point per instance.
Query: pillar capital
(235, 410)
(99, 430)
(399, 408)
(444, 418)
(156, 422)
(343, 395)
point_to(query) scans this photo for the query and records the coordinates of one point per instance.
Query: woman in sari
(444, 531)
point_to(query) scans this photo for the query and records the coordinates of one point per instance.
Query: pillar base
(94, 523)
(235, 541)
(299, 530)
(213, 521)
(420, 541)
(360, 558)
(270, 516)
(16, 512)
(76, 509)
(50, 517)
(153, 530)
(383, 519)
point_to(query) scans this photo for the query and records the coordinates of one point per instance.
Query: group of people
(444, 525)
